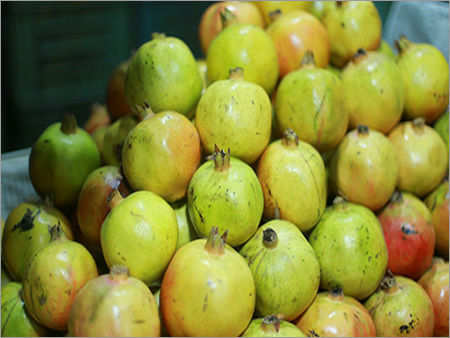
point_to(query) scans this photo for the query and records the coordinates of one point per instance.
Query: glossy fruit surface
(268, 7)
(271, 326)
(186, 231)
(441, 126)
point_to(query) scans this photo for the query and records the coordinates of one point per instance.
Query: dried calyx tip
(402, 43)
(225, 16)
(114, 198)
(119, 272)
(397, 197)
(221, 159)
(308, 59)
(57, 233)
(362, 129)
(270, 237)
(236, 73)
(272, 320)
(336, 292)
(290, 137)
(359, 55)
(418, 122)
(273, 15)
(142, 112)
(216, 244)
(339, 200)
(388, 281)
(157, 35)
(69, 124)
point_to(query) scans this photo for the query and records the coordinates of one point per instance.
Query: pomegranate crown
(221, 159)
(69, 124)
(272, 321)
(143, 112)
(215, 243)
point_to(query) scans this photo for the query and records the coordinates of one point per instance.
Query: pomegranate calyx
(114, 198)
(362, 129)
(336, 293)
(236, 73)
(402, 43)
(271, 322)
(308, 60)
(69, 124)
(221, 159)
(290, 138)
(275, 14)
(57, 233)
(397, 197)
(226, 16)
(215, 244)
(270, 238)
(119, 273)
(388, 284)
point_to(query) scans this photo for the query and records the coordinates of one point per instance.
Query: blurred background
(58, 56)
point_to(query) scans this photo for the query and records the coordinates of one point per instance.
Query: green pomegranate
(441, 126)
(225, 193)
(140, 231)
(115, 137)
(422, 157)
(163, 72)
(387, 50)
(401, 308)
(311, 101)
(16, 322)
(98, 136)
(272, 326)
(245, 46)
(425, 77)
(320, 7)
(284, 267)
(373, 77)
(292, 176)
(157, 295)
(114, 305)
(351, 25)
(208, 290)
(28, 228)
(62, 148)
(186, 231)
(350, 247)
(364, 168)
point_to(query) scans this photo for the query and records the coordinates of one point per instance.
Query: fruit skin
(28, 228)
(332, 314)
(299, 194)
(267, 7)
(387, 50)
(248, 47)
(163, 72)
(293, 34)
(401, 310)
(351, 25)
(99, 117)
(114, 305)
(441, 126)
(235, 114)
(263, 327)
(312, 102)
(53, 157)
(16, 322)
(356, 257)
(220, 15)
(421, 155)
(435, 283)
(98, 136)
(225, 196)
(161, 154)
(364, 168)
(319, 8)
(425, 77)
(438, 204)
(373, 77)
(116, 100)
(186, 231)
(93, 205)
(140, 226)
(50, 289)
(114, 138)
(207, 290)
(285, 269)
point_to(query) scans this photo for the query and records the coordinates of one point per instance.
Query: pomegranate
(207, 290)
(435, 283)
(349, 244)
(16, 322)
(364, 168)
(28, 229)
(5, 277)
(161, 154)
(351, 25)
(235, 114)
(61, 148)
(293, 34)
(220, 15)
(114, 305)
(93, 205)
(422, 157)
(334, 315)
(272, 326)
(268, 7)
(163, 328)
(312, 102)
(225, 193)
(248, 47)
(387, 50)
(116, 100)
(279, 250)
(292, 176)
(99, 117)
(424, 72)
(438, 204)
(50, 289)
(172, 80)
(319, 8)
(140, 231)
(401, 308)
(441, 126)
(186, 231)
(373, 77)
(98, 136)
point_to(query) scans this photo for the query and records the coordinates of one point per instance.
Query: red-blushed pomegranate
(116, 100)
(334, 315)
(272, 326)
(435, 283)
(114, 305)
(93, 205)
(99, 117)
(53, 278)
(223, 14)
(207, 290)
(268, 7)
(401, 308)
(438, 203)
(409, 235)
(293, 34)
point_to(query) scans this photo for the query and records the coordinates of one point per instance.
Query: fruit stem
(359, 55)
(389, 284)
(271, 323)
(397, 197)
(114, 199)
(69, 124)
(226, 16)
(57, 233)
(273, 15)
(270, 238)
(119, 273)
(362, 130)
(221, 159)
(290, 138)
(336, 293)
(402, 43)
(308, 60)
(157, 35)
(236, 73)
(215, 244)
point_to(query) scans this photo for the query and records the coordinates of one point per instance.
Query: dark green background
(58, 56)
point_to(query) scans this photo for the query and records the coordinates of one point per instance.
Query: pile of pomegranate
(293, 183)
